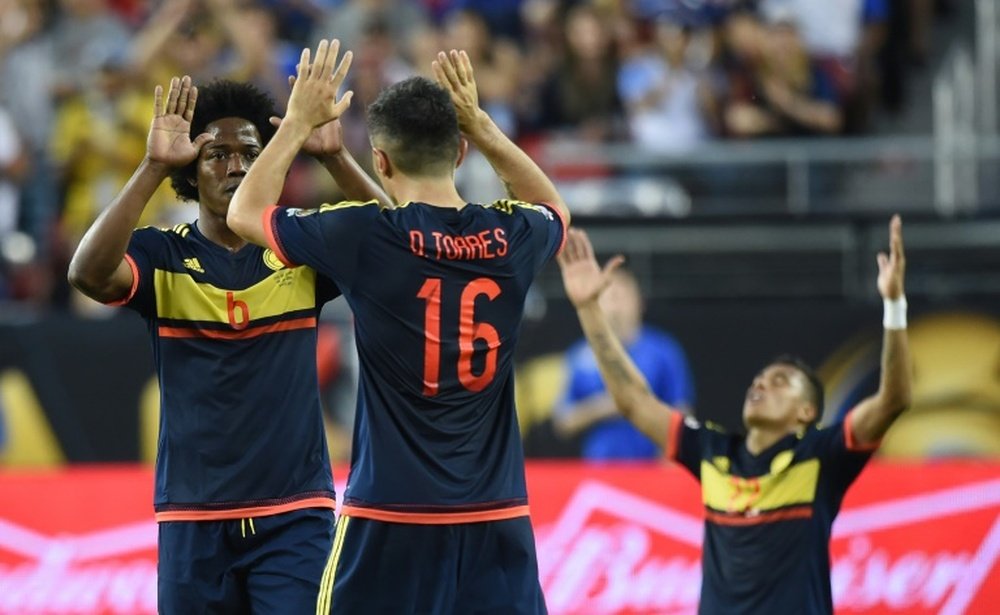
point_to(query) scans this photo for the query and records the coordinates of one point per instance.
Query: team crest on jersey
(299, 212)
(272, 261)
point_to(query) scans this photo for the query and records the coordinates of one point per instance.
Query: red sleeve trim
(851, 442)
(562, 221)
(267, 219)
(674, 427)
(135, 284)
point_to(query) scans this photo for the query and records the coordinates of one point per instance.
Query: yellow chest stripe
(793, 485)
(179, 297)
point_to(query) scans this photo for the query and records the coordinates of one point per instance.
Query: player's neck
(439, 191)
(759, 439)
(214, 229)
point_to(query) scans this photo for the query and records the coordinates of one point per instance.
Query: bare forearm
(875, 414)
(102, 248)
(352, 179)
(625, 383)
(523, 178)
(264, 182)
(895, 385)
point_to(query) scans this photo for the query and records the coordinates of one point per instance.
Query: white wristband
(894, 316)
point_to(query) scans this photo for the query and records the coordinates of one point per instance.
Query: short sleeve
(843, 459)
(327, 239)
(689, 442)
(548, 230)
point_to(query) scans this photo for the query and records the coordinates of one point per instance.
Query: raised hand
(583, 278)
(325, 140)
(169, 141)
(892, 266)
(453, 71)
(314, 99)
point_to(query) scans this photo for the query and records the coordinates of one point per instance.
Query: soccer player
(435, 516)
(771, 496)
(244, 494)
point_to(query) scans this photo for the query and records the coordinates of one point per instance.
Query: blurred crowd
(77, 76)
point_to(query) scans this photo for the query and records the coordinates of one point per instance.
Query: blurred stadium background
(744, 155)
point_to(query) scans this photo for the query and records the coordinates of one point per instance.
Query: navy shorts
(270, 564)
(485, 568)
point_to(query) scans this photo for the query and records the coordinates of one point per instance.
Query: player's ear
(463, 149)
(382, 162)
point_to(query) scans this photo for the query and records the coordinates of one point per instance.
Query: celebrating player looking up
(435, 517)
(771, 496)
(244, 494)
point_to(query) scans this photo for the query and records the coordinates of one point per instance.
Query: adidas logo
(193, 265)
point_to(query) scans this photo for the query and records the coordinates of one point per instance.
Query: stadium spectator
(244, 492)
(770, 496)
(669, 103)
(586, 408)
(436, 504)
(775, 88)
(579, 99)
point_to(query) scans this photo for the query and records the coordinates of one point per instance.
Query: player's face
(223, 163)
(778, 397)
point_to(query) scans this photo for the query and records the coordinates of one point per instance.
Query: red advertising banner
(914, 539)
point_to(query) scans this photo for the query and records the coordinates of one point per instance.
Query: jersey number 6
(468, 332)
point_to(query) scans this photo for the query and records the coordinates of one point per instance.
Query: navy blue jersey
(437, 295)
(234, 343)
(769, 516)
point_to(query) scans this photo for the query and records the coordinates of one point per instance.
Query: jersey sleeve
(689, 442)
(843, 457)
(548, 230)
(146, 249)
(328, 239)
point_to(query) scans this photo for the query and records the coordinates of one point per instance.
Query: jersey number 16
(468, 332)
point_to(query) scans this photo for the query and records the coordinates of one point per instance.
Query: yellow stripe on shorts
(325, 598)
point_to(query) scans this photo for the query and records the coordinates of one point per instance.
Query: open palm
(169, 141)
(892, 266)
(583, 278)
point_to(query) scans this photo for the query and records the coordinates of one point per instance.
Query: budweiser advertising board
(611, 539)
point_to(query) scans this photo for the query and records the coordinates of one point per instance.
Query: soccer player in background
(435, 516)
(244, 494)
(770, 496)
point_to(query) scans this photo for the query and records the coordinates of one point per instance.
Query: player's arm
(313, 103)
(519, 173)
(871, 418)
(98, 268)
(584, 281)
(326, 145)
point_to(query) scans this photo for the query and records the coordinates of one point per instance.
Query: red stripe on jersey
(851, 442)
(444, 518)
(247, 511)
(135, 283)
(287, 325)
(804, 512)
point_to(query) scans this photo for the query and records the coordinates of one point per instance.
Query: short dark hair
(815, 384)
(220, 99)
(414, 121)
